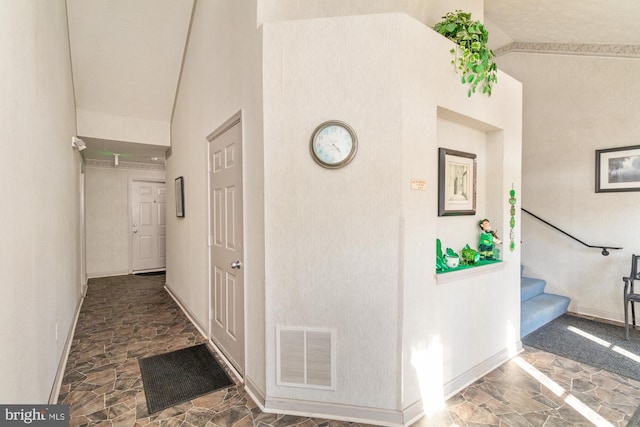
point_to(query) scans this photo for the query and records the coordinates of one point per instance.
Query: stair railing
(604, 252)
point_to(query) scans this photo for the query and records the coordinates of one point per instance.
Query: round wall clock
(333, 144)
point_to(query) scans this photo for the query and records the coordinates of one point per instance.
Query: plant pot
(452, 262)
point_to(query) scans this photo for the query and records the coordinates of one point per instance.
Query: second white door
(148, 226)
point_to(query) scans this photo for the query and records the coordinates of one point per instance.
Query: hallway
(125, 318)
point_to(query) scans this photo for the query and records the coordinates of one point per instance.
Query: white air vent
(306, 357)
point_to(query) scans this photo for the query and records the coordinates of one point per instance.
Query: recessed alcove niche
(353, 249)
(459, 132)
(489, 293)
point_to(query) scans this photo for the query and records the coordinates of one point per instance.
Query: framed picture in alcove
(456, 183)
(618, 169)
(180, 197)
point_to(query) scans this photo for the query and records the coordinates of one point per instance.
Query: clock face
(333, 144)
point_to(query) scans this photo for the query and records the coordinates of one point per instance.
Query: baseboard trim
(334, 411)
(598, 314)
(186, 312)
(232, 368)
(351, 413)
(200, 329)
(480, 370)
(62, 365)
(255, 393)
(106, 274)
(413, 413)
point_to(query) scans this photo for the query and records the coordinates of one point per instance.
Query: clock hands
(333, 144)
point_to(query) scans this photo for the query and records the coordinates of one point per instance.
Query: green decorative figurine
(488, 239)
(470, 256)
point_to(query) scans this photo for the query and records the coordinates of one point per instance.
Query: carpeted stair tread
(540, 310)
(530, 287)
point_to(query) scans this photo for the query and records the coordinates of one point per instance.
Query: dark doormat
(598, 344)
(179, 376)
(151, 273)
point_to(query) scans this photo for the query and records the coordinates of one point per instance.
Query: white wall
(120, 128)
(426, 11)
(222, 75)
(39, 214)
(437, 331)
(358, 244)
(350, 249)
(336, 230)
(573, 106)
(108, 217)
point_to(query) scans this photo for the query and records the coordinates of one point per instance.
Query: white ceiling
(126, 57)
(127, 54)
(131, 152)
(567, 21)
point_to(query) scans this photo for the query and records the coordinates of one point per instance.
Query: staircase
(538, 308)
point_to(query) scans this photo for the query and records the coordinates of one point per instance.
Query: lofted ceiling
(126, 59)
(127, 54)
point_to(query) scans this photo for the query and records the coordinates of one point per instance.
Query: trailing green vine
(474, 59)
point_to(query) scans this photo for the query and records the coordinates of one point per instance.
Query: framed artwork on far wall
(618, 169)
(180, 197)
(456, 183)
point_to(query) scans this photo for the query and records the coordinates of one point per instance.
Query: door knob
(236, 264)
(135, 231)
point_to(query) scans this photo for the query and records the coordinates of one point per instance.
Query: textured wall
(349, 249)
(121, 128)
(332, 235)
(353, 249)
(108, 218)
(575, 105)
(437, 335)
(221, 76)
(425, 11)
(40, 209)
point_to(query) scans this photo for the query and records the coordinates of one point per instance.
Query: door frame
(228, 124)
(83, 232)
(130, 208)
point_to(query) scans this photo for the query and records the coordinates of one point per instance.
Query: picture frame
(457, 179)
(179, 182)
(618, 169)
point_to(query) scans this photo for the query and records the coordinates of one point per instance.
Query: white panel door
(226, 263)
(148, 228)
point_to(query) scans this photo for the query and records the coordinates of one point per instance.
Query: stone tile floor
(129, 317)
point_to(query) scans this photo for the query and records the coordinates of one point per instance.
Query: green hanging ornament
(512, 221)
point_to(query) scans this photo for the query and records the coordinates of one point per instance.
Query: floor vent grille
(306, 357)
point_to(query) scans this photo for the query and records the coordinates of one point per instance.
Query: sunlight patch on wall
(428, 365)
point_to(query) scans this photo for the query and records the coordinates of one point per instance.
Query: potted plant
(445, 260)
(472, 58)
